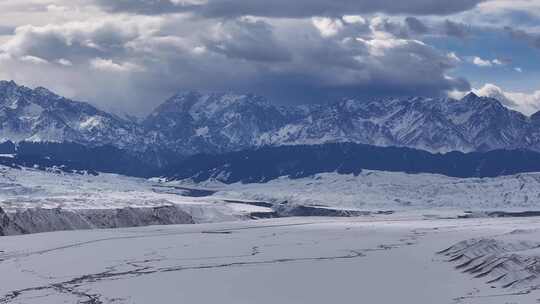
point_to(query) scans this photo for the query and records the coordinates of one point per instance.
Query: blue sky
(491, 45)
(129, 55)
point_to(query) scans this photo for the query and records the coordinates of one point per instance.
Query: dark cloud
(288, 8)
(134, 63)
(416, 26)
(150, 7)
(6, 30)
(413, 26)
(455, 29)
(247, 40)
(397, 29)
(530, 38)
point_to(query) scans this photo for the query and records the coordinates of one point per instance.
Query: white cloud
(526, 103)
(108, 65)
(354, 19)
(454, 57)
(481, 62)
(64, 62)
(55, 41)
(57, 8)
(502, 7)
(33, 59)
(486, 62)
(327, 26)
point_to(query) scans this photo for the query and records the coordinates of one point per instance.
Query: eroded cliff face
(45, 220)
(7, 226)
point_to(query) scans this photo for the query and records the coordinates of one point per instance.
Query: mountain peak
(41, 115)
(470, 96)
(195, 93)
(185, 94)
(486, 101)
(44, 92)
(8, 86)
(535, 116)
(13, 86)
(193, 100)
(7, 83)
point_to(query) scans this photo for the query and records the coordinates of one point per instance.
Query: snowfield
(376, 190)
(39, 201)
(384, 238)
(328, 194)
(384, 260)
(29, 188)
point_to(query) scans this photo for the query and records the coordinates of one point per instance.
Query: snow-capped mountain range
(435, 125)
(192, 122)
(195, 122)
(39, 115)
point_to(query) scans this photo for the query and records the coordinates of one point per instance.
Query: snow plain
(422, 252)
(387, 259)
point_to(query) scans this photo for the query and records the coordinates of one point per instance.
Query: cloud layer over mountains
(127, 56)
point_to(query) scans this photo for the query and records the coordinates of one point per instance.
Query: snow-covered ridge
(370, 190)
(377, 190)
(41, 116)
(80, 200)
(37, 201)
(192, 122)
(508, 261)
(233, 122)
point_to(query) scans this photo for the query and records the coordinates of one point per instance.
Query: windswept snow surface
(29, 188)
(510, 260)
(80, 201)
(384, 260)
(369, 191)
(376, 190)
